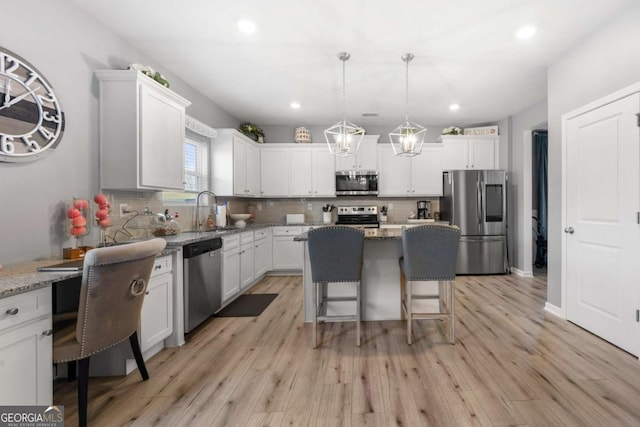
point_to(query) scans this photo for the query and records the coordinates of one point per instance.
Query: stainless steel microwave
(356, 183)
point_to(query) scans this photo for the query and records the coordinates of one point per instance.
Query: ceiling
(465, 53)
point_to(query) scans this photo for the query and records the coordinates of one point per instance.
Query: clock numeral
(14, 65)
(49, 98)
(48, 117)
(46, 133)
(33, 145)
(32, 77)
(6, 145)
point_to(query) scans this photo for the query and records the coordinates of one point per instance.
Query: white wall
(66, 45)
(607, 61)
(520, 183)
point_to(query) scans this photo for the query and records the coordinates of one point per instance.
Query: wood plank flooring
(512, 364)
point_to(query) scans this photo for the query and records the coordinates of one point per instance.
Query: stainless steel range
(362, 216)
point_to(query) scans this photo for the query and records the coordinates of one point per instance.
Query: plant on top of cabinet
(252, 131)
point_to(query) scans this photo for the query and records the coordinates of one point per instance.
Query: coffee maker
(424, 209)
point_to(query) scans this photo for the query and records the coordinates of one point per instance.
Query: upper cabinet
(235, 165)
(364, 160)
(419, 175)
(469, 152)
(296, 170)
(141, 133)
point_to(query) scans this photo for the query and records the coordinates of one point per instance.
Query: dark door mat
(247, 305)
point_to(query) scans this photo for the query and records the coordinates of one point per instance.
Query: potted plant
(252, 131)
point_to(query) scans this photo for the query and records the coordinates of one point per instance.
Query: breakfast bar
(380, 278)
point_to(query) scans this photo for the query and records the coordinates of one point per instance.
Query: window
(196, 163)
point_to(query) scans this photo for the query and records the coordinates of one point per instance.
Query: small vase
(326, 217)
(302, 135)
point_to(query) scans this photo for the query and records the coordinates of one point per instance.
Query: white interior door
(603, 234)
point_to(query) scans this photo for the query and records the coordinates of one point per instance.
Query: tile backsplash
(266, 211)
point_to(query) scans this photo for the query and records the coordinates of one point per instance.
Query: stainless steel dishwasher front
(202, 281)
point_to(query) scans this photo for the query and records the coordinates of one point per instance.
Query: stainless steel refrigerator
(475, 201)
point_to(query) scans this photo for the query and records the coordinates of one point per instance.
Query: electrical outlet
(259, 206)
(390, 206)
(309, 207)
(124, 209)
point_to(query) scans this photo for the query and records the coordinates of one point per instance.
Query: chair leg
(83, 391)
(452, 313)
(403, 281)
(135, 347)
(358, 314)
(409, 312)
(71, 370)
(315, 315)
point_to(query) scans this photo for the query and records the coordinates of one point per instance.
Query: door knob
(568, 230)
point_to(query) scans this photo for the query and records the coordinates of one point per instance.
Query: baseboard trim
(521, 273)
(553, 309)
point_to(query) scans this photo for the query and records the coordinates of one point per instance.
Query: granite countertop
(24, 277)
(369, 234)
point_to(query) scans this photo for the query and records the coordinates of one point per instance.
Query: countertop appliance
(202, 281)
(424, 209)
(356, 183)
(475, 201)
(362, 216)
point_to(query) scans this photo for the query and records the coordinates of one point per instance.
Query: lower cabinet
(230, 267)
(287, 254)
(247, 256)
(156, 319)
(26, 349)
(262, 260)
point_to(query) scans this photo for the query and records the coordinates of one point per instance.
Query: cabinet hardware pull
(47, 333)
(12, 311)
(569, 230)
(158, 267)
(146, 293)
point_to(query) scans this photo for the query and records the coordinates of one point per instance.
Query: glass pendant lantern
(344, 137)
(408, 138)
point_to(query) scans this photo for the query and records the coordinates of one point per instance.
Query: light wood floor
(513, 364)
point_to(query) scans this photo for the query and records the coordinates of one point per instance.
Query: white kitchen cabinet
(274, 171)
(26, 348)
(419, 176)
(235, 165)
(247, 257)
(323, 181)
(142, 131)
(469, 152)
(156, 319)
(230, 267)
(366, 159)
(300, 175)
(287, 254)
(262, 252)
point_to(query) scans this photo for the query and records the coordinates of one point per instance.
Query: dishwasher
(202, 281)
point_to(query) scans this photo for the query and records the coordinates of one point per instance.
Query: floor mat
(247, 305)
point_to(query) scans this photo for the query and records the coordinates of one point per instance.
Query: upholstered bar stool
(114, 282)
(335, 255)
(429, 254)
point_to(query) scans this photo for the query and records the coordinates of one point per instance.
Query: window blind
(196, 162)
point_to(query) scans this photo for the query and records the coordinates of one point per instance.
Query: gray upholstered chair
(114, 282)
(335, 255)
(429, 254)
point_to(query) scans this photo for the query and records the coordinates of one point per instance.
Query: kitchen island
(380, 278)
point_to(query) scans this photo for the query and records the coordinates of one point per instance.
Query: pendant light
(344, 137)
(407, 139)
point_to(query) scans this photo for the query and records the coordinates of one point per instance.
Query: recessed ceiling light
(526, 32)
(295, 105)
(247, 26)
(454, 107)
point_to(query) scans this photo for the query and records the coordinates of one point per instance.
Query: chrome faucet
(215, 202)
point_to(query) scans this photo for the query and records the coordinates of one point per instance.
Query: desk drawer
(24, 307)
(162, 265)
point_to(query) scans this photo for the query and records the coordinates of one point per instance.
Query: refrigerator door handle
(478, 203)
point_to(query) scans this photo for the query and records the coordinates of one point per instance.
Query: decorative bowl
(239, 219)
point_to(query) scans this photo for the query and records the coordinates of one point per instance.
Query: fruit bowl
(239, 219)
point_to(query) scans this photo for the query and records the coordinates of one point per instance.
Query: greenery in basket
(453, 130)
(252, 131)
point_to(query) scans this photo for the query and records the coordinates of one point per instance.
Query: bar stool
(335, 255)
(429, 254)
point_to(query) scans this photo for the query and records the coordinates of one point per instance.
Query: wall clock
(31, 119)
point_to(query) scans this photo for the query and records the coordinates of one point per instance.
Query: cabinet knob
(146, 293)
(309, 191)
(12, 311)
(157, 267)
(47, 333)
(569, 230)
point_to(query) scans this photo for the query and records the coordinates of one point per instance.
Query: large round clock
(31, 119)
